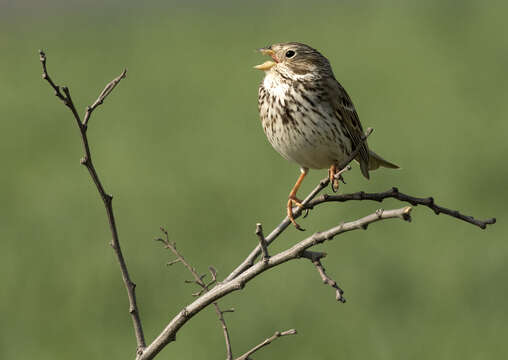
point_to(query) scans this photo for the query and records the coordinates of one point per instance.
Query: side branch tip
(262, 242)
(103, 95)
(268, 341)
(315, 259)
(394, 193)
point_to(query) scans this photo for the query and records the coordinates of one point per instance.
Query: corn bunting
(308, 116)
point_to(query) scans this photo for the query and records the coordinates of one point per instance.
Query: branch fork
(86, 160)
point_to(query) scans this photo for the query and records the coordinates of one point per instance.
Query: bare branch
(396, 194)
(106, 198)
(172, 246)
(222, 289)
(313, 255)
(268, 341)
(213, 272)
(262, 241)
(326, 279)
(103, 95)
(173, 262)
(220, 314)
(198, 279)
(45, 76)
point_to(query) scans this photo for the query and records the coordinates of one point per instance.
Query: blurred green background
(179, 144)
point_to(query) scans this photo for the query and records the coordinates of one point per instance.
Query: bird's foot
(334, 181)
(293, 200)
(335, 176)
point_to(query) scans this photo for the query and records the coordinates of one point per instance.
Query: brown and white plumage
(307, 116)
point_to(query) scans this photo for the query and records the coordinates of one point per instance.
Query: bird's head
(295, 59)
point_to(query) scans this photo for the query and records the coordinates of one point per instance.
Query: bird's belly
(311, 140)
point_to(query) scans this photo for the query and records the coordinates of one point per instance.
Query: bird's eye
(290, 53)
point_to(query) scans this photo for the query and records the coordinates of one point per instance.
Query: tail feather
(375, 162)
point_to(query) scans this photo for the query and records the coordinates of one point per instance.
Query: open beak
(267, 65)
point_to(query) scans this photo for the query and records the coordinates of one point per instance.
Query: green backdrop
(179, 144)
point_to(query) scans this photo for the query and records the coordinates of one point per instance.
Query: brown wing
(346, 111)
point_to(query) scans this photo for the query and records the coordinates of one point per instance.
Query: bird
(308, 117)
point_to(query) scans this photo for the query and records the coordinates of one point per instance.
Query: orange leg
(333, 181)
(294, 200)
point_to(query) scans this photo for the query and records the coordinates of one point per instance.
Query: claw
(297, 202)
(291, 217)
(334, 182)
(335, 185)
(294, 200)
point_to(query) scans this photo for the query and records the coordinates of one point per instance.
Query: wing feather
(346, 112)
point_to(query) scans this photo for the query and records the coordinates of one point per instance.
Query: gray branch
(198, 279)
(262, 242)
(295, 252)
(268, 341)
(394, 193)
(315, 258)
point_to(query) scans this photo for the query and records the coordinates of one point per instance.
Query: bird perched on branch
(308, 117)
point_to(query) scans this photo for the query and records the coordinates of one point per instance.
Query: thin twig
(220, 314)
(198, 279)
(172, 246)
(396, 194)
(45, 76)
(107, 90)
(268, 341)
(106, 198)
(262, 242)
(316, 260)
(173, 262)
